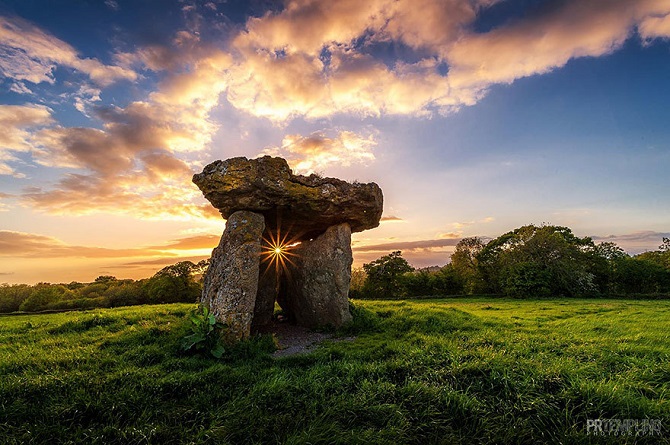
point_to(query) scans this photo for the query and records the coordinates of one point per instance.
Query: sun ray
(277, 251)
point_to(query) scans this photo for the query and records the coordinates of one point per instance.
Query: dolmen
(287, 240)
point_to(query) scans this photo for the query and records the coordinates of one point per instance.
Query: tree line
(531, 261)
(180, 282)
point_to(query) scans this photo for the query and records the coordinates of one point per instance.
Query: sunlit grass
(445, 371)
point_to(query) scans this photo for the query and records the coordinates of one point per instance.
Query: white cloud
(29, 54)
(316, 59)
(20, 88)
(318, 151)
(17, 123)
(137, 163)
(311, 60)
(655, 27)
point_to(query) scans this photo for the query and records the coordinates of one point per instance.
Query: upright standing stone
(320, 285)
(267, 294)
(231, 282)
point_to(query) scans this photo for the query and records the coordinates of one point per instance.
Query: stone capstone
(305, 205)
(231, 282)
(312, 218)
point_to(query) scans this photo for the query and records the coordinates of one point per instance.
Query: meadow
(453, 371)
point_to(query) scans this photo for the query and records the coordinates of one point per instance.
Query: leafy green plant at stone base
(205, 333)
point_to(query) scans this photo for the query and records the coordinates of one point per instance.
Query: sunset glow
(277, 253)
(473, 117)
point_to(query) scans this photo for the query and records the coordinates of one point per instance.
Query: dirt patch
(294, 339)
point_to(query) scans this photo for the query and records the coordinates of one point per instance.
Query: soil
(294, 339)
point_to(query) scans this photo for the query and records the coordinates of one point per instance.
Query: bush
(174, 284)
(44, 295)
(384, 277)
(527, 280)
(127, 294)
(640, 276)
(11, 297)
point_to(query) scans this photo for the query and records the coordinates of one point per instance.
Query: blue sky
(475, 117)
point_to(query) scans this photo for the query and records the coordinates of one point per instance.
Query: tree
(527, 279)
(200, 269)
(12, 296)
(665, 252)
(447, 281)
(174, 283)
(639, 275)
(357, 282)
(43, 296)
(384, 276)
(547, 259)
(418, 283)
(444, 281)
(465, 262)
(612, 259)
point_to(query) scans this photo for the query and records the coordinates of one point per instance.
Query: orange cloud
(86, 194)
(137, 163)
(305, 26)
(430, 24)
(156, 263)
(16, 122)
(29, 245)
(313, 59)
(462, 224)
(655, 27)
(538, 44)
(309, 154)
(191, 243)
(408, 245)
(281, 70)
(450, 235)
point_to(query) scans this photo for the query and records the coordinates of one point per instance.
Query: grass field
(468, 371)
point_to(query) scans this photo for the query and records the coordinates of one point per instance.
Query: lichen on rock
(305, 205)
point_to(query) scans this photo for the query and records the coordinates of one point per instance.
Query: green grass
(470, 371)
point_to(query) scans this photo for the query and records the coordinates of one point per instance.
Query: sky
(475, 117)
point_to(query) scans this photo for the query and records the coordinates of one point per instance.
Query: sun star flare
(277, 251)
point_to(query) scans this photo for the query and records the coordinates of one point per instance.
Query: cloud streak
(29, 245)
(159, 262)
(635, 242)
(31, 54)
(410, 246)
